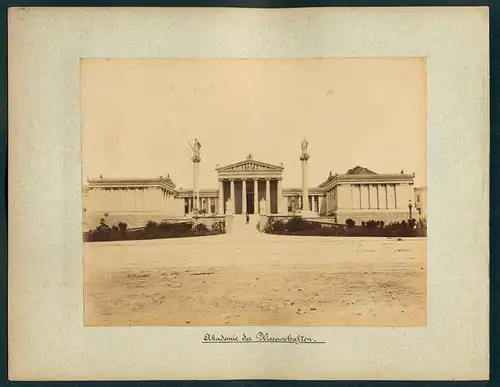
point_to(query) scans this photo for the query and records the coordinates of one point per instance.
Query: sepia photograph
(254, 191)
(182, 179)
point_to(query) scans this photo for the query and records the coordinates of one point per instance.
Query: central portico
(246, 183)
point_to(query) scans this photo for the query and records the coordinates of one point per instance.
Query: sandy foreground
(262, 280)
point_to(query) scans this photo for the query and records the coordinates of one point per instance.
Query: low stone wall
(133, 219)
(208, 220)
(359, 216)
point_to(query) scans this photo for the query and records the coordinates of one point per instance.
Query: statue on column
(304, 145)
(196, 150)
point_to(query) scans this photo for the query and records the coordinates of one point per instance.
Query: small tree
(122, 226)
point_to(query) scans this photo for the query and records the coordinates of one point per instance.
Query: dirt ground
(265, 280)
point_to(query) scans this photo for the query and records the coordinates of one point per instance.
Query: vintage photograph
(254, 192)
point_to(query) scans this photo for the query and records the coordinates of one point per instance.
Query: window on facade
(418, 198)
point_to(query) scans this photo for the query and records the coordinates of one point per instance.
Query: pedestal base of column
(262, 222)
(229, 220)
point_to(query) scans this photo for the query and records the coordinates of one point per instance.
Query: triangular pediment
(249, 165)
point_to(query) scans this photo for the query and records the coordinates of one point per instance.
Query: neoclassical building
(252, 187)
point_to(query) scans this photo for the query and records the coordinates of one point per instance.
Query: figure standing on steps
(248, 218)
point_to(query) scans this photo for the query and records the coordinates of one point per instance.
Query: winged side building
(359, 194)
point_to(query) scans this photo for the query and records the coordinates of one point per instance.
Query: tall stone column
(412, 196)
(320, 204)
(232, 194)
(280, 196)
(268, 195)
(305, 189)
(243, 196)
(255, 196)
(221, 197)
(196, 190)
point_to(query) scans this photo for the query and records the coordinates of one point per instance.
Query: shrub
(328, 231)
(279, 226)
(200, 228)
(295, 224)
(350, 223)
(151, 225)
(219, 226)
(103, 225)
(122, 226)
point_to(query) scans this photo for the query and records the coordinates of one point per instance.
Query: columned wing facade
(361, 195)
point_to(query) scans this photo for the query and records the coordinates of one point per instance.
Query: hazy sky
(139, 116)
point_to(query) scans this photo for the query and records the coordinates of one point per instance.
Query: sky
(139, 116)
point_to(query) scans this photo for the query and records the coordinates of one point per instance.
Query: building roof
(165, 181)
(365, 173)
(358, 170)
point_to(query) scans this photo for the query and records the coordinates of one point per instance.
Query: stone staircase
(239, 228)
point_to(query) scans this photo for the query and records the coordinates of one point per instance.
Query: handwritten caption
(259, 337)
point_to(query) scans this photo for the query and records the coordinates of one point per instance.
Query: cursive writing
(260, 337)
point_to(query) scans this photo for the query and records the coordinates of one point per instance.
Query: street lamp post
(410, 206)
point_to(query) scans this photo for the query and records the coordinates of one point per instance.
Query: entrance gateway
(247, 182)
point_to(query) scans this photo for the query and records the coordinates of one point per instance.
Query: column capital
(255, 178)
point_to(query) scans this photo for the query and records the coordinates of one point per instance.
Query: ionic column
(280, 195)
(196, 192)
(232, 193)
(221, 197)
(268, 195)
(244, 196)
(255, 196)
(412, 199)
(396, 196)
(305, 189)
